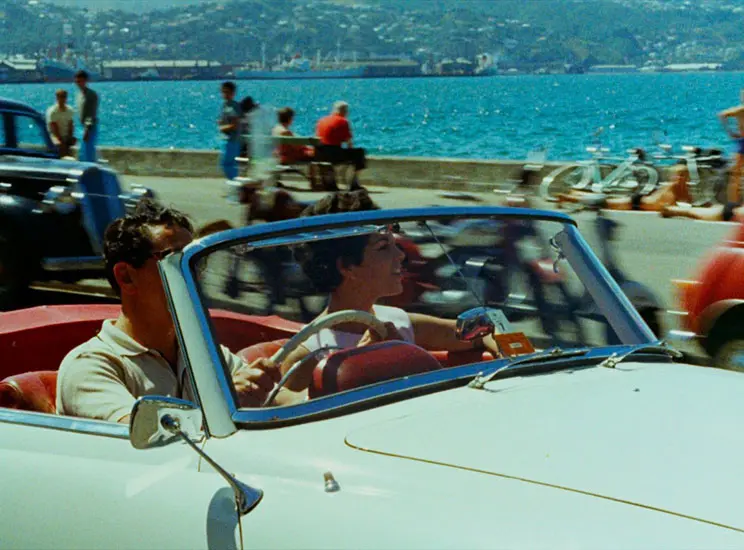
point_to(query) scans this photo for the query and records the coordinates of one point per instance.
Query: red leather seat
(356, 367)
(30, 391)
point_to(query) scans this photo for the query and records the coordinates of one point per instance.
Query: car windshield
(541, 284)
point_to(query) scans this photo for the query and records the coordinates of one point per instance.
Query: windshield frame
(632, 327)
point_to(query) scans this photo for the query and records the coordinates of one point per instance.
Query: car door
(72, 483)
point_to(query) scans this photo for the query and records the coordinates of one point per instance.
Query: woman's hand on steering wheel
(370, 336)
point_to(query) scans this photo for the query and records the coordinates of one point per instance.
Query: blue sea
(487, 117)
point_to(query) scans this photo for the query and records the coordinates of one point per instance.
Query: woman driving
(356, 272)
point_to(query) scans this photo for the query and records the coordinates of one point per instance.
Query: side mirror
(157, 421)
(146, 427)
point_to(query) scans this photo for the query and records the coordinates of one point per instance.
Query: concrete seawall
(412, 172)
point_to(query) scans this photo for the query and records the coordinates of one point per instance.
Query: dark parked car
(52, 212)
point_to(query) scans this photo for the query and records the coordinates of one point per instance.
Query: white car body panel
(96, 491)
(603, 496)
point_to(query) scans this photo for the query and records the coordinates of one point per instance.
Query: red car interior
(34, 341)
(355, 367)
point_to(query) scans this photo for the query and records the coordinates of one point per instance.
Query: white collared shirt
(103, 377)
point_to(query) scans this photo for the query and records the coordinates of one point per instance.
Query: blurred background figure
(61, 124)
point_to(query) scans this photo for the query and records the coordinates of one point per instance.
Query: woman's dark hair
(320, 260)
(129, 240)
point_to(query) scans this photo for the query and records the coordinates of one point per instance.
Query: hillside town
(40, 41)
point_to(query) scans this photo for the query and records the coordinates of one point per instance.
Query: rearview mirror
(481, 321)
(146, 426)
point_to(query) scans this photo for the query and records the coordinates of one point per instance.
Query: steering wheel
(312, 328)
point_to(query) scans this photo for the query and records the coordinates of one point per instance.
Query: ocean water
(491, 117)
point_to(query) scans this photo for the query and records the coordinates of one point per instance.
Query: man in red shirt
(334, 131)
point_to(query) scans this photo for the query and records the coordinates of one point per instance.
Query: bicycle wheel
(647, 178)
(562, 180)
(641, 179)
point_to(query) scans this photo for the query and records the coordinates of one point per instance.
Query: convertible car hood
(661, 436)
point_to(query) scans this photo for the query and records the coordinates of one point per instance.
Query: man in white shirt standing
(60, 121)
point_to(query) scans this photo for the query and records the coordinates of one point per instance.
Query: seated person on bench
(334, 131)
(292, 154)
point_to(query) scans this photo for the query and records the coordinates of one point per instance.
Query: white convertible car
(585, 434)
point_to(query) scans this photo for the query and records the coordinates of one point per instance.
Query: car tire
(15, 275)
(730, 355)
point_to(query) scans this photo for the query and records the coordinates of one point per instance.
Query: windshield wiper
(610, 362)
(481, 379)
(657, 347)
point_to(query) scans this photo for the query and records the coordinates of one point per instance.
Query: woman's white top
(329, 337)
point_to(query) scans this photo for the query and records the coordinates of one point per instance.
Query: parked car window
(3, 133)
(30, 134)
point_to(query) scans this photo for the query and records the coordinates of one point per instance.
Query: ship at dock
(300, 68)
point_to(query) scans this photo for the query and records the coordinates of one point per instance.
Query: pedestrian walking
(229, 125)
(87, 107)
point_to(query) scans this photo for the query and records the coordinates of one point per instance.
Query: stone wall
(420, 172)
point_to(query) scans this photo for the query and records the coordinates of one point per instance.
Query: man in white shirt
(60, 121)
(138, 354)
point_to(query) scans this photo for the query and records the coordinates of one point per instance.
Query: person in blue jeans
(229, 124)
(87, 106)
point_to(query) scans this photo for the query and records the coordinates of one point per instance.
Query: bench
(325, 170)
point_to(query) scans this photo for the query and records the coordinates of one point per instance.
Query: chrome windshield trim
(398, 388)
(604, 290)
(376, 217)
(66, 423)
(211, 384)
(73, 263)
(315, 236)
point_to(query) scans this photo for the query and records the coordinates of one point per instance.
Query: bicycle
(633, 173)
(706, 171)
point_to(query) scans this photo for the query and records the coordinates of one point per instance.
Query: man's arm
(54, 127)
(349, 138)
(232, 125)
(253, 382)
(89, 111)
(734, 112)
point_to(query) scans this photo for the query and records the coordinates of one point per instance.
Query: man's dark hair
(320, 260)
(82, 74)
(285, 115)
(229, 85)
(129, 240)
